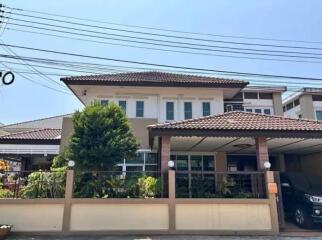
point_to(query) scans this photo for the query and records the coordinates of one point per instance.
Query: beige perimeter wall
(223, 217)
(100, 217)
(32, 217)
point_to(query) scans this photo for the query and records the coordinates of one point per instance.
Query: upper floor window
(187, 110)
(205, 108)
(139, 109)
(296, 102)
(104, 102)
(169, 110)
(122, 104)
(289, 106)
(267, 111)
(258, 110)
(265, 95)
(316, 97)
(250, 95)
(318, 115)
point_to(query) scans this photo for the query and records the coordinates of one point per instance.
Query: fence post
(68, 200)
(172, 200)
(271, 193)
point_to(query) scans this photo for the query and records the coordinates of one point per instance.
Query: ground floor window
(193, 162)
(145, 160)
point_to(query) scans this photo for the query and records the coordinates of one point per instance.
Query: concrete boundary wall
(70, 216)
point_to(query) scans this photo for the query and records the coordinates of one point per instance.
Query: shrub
(45, 184)
(5, 193)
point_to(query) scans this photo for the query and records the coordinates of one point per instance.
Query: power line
(37, 83)
(196, 45)
(165, 29)
(152, 64)
(43, 76)
(158, 49)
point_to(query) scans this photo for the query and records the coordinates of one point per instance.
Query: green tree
(102, 138)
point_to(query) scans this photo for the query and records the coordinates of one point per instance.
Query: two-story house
(157, 99)
(306, 103)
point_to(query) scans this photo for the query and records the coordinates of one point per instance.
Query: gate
(279, 201)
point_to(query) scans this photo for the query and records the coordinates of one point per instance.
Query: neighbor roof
(154, 78)
(39, 135)
(243, 124)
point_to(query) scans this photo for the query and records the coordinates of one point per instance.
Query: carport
(242, 137)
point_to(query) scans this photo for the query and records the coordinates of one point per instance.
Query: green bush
(45, 184)
(5, 193)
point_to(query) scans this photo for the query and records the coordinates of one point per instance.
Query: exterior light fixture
(267, 165)
(71, 163)
(171, 164)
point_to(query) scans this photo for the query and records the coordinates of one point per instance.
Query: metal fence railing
(32, 184)
(118, 184)
(197, 184)
(132, 184)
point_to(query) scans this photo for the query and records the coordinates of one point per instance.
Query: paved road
(159, 238)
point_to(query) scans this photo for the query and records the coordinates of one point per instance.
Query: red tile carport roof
(154, 78)
(243, 122)
(38, 134)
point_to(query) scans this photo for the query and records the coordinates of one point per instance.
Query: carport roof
(240, 124)
(47, 135)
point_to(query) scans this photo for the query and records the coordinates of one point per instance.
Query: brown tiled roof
(243, 121)
(39, 134)
(154, 78)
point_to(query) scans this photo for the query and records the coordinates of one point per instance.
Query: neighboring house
(306, 103)
(49, 122)
(30, 150)
(31, 144)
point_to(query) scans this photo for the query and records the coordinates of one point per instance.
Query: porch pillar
(261, 152)
(165, 153)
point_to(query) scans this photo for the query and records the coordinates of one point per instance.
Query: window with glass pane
(196, 163)
(139, 158)
(208, 163)
(267, 111)
(182, 162)
(319, 115)
(151, 168)
(170, 110)
(249, 110)
(187, 110)
(130, 169)
(139, 109)
(151, 158)
(258, 110)
(104, 102)
(206, 108)
(122, 104)
(265, 96)
(250, 95)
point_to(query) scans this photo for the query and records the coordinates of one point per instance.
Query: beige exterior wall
(32, 217)
(312, 163)
(278, 104)
(306, 105)
(232, 217)
(139, 127)
(99, 217)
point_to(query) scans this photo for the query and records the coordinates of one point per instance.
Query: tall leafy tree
(102, 137)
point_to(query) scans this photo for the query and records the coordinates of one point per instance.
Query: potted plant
(4, 230)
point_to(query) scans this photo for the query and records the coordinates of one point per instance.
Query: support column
(165, 153)
(261, 152)
(221, 162)
(68, 200)
(172, 200)
(271, 187)
(307, 108)
(277, 104)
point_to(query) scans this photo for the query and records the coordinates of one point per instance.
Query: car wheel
(302, 218)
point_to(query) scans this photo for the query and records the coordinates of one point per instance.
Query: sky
(287, 19)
